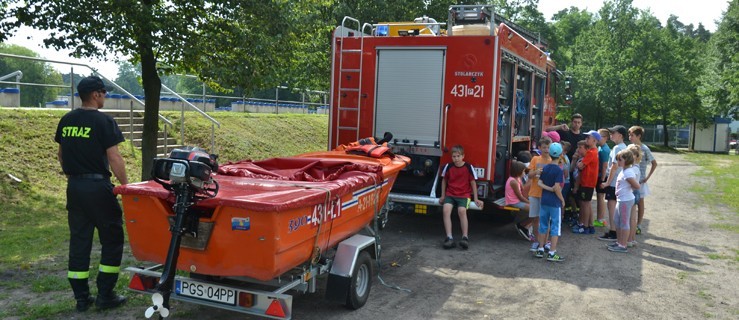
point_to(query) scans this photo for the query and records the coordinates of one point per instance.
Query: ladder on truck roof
(347, 82)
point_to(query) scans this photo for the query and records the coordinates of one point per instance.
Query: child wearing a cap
(535, 168)
(552, 201)
(618, 133)
(588, 179)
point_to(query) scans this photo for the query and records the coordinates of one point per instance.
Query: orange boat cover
(275, 184)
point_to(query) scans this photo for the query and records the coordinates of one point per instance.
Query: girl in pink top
(514, 198)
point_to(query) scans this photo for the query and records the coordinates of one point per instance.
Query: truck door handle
(446, 120)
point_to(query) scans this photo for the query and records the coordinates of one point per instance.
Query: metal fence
(679, 136)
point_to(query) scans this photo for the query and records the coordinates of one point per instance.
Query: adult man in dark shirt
(88, 144)
(571, 134)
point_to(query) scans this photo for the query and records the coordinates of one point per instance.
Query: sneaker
(608, 236)
(548, 247)
(449, 243)
(591, 230)
(539, 253)
(618, 248)
(612, 244)
(581, 230)
(638, 229)
(523, 232)
(464, 243)
(631, 244)
(598, 223)
(534, 246)
(553, 256)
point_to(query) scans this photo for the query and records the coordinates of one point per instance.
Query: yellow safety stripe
(109, 269)
(78, 274)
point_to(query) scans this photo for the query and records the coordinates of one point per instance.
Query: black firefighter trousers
(92, 205)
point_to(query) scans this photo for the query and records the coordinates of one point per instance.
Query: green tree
(231, 43)
(719, 85)
(129, 77)
(33, 72)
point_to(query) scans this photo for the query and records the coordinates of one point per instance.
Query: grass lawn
(33, 220)
(724, 171)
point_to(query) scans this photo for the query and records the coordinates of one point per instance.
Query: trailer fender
(339, 277)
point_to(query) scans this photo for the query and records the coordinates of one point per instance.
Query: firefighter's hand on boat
(441, 200)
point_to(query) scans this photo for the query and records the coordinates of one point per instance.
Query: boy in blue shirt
(550, 212)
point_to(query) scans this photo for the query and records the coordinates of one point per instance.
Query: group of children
(618, 176)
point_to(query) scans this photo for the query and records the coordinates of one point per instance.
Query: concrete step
(126, 120)
(128, 127)
(160, 142)
(137, 134)
(162, 153)
(122, 113)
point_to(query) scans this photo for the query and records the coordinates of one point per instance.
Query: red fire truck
(485, 84)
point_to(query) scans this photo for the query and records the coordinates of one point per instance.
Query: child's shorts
(519, 205)
(585, 194)
(644, 190)
(534, 205)
(550, 218)
(622, 217)
(458, 202)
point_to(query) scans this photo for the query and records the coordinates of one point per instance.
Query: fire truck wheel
(361, 282)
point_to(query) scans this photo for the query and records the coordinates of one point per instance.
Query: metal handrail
(161, 117)
(214, 122)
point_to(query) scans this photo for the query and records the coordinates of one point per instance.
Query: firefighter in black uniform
(88, 145)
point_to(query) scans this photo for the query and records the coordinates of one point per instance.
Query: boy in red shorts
(457, 185)
(588, 179)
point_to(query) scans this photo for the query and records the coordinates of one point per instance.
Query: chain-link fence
(679, 136)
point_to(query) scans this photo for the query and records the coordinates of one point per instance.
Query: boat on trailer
(278, 222)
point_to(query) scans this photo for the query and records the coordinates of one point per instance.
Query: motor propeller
(158, 306)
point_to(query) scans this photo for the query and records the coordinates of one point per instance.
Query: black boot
(106, 298)
(81, 294)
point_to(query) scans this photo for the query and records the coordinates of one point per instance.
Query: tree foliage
(33, 72)
(719, 85)
(234, 43)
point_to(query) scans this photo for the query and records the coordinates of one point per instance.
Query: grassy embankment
(33, 223)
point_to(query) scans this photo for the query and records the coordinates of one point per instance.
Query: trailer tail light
(275, 309)
(143, 283)
(246, 300)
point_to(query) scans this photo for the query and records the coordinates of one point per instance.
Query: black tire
(361, 282)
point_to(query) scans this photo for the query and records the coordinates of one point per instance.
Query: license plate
(205, 291)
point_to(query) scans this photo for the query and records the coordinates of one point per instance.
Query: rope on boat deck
(316, 255)
(376, 231)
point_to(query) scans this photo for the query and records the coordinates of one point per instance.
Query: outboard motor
(187, 173)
